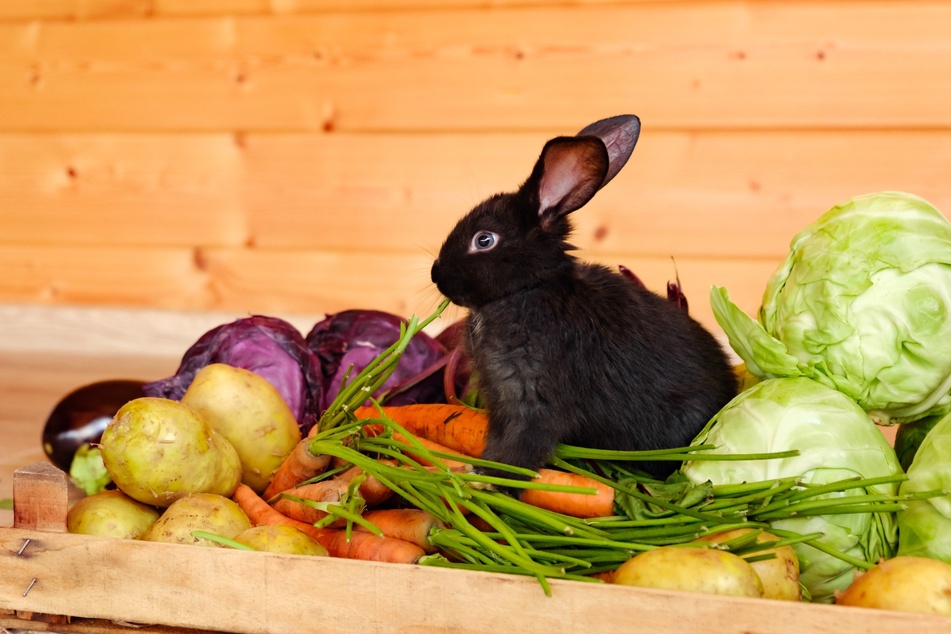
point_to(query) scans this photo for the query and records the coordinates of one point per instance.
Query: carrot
(330, 491)
(300, 465)
(374, 430)
(313, 431)
(370, 547)
(411, 525)
(479, 523)
(372, 490)
(455, 426)
(362, 545)
(259, 512)
(579, 505)
(606, 576)
(432, 446)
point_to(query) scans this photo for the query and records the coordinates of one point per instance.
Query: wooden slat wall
(307, 156)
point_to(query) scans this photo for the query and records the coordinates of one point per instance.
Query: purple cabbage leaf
(347, 341)
(268, 346)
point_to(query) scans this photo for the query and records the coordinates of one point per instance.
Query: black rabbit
(568, 352)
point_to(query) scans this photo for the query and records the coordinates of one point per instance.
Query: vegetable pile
(349, 442)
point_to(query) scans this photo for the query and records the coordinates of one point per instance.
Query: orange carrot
(374, 430)
(300, 465)
(455, 426)
(480, 523)
(313, 431)
(372, 490)
(607, 576)
(432, 446)
(361, 545)
(330, 491)
(411, 525)
(259, 512)
(370, 547)
(579, 505)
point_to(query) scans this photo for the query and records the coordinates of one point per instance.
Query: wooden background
(166, 165)
(296, 157)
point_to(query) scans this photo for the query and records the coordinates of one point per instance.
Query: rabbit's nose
(434, 273)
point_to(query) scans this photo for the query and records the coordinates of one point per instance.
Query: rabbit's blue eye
(483, 241)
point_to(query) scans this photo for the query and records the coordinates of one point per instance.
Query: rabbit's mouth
(450, 288)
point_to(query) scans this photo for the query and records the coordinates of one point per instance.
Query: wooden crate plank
(239, 591)
(712, 194)
(304, 282)
(40, 500)
(518, 68)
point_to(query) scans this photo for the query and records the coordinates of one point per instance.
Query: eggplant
(81, 416)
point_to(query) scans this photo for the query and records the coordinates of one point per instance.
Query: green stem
(218, 539)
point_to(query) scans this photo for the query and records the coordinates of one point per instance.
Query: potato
(110, 513)
(247, 410)
(706, 570)
(906, 584)
(780, 574)
(157, 450)
(280, 538)
(207, 512)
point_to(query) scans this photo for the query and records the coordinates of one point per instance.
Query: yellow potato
(110, 513)
(905, 584)
(247, 410)
(705, 570)
(207, 512)
(780, 574)
(280, 538)
(157, 450)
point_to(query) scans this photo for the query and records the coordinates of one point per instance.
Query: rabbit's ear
(619, 135)
(568, 173)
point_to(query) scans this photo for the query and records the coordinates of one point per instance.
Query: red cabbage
(356, 337)
(675, 292)
(267, 346)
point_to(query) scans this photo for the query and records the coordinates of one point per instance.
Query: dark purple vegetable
(457, 377)
(356, 337)
(675, 292)
(80, 417)
(267, 346)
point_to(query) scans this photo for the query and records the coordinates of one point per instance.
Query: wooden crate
(55, 581)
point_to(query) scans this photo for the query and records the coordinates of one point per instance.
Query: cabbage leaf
(862, 304)
(836, 440)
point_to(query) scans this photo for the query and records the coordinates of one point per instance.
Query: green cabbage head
(925, 526)
(836, 440)
(862, 304)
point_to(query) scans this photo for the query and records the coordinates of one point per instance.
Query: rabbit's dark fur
(567, 352)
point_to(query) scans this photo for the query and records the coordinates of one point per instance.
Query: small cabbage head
(925, 526)
(836, 440)
(862, 304)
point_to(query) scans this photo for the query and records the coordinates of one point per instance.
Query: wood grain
(215, 588)
(728, 65)
(40, 498)
(283, 281)
(112, 9)
(715, 194)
